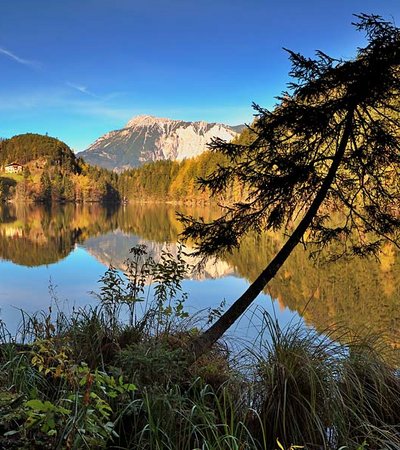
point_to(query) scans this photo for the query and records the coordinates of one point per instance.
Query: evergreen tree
(332, 144)
(45, 187)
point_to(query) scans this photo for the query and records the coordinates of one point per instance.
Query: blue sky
(79, 68)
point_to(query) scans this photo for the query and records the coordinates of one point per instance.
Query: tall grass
(295, 384)
(198, 418)
(95, 379)
(370, 394)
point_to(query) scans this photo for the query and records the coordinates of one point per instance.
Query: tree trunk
(216, 331)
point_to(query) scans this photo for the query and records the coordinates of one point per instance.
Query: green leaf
(280, 445)
(11, 433)
(36, 404)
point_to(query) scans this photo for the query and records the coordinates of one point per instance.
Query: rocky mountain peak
(147, 138)
(146, 120)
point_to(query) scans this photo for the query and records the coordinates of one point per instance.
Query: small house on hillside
(13, 168)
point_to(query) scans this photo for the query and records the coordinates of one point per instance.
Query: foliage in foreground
(117, 376)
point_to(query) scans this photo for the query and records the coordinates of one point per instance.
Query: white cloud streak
(81, 88)
(17, 59)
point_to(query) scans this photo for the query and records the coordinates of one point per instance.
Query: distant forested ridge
(168, 180)
(51, 172)
(178, 181)
(48, 171)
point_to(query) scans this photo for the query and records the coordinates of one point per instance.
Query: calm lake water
(57, 255)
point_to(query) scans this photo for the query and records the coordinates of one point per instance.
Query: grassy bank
(117, 376)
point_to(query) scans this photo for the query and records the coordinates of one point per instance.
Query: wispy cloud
(16, 58)
(60, 99)
(81, 88)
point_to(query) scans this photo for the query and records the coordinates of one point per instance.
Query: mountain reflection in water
(358, 294)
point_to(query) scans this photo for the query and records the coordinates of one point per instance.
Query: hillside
(146, 139)
(41, 168)
(28, 147)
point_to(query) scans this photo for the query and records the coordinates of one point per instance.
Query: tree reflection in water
(362, 295)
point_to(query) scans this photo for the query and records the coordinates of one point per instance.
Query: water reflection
(360, 294)
(34, 235)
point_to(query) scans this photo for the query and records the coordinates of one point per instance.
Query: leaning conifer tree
(331, 145)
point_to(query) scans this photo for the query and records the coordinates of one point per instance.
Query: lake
(56, 255)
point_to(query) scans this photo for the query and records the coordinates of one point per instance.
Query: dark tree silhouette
(324, 164)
